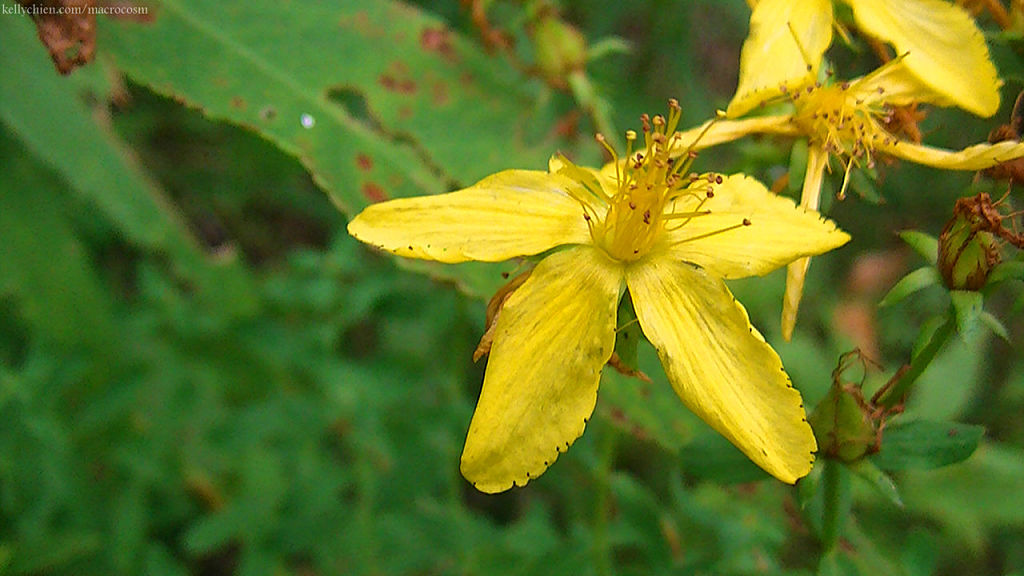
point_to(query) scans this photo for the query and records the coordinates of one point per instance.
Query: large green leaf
(376, 99)
(45, 112)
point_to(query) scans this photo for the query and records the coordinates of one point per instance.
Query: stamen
(615, 157)
(687, 215)
(846, 180)
(746, 222)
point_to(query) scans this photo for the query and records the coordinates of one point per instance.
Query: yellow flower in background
(945, 51)
(943, 60)
(643, 224)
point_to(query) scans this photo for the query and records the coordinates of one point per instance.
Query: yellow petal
(512, 213)
(721, 131)
(720, 365)
(977, 157)
(796, 273)
(779, 232)
(945, 49)
(552, 337)
(771, 54)
(817, 161)
(894, 84)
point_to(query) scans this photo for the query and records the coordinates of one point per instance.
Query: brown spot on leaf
(439, 94)
(238, 102)
(397, 79)
(360, 23)
(374, 193)
(437, 40)
(618, 416)
(364, 162)
(69, 36)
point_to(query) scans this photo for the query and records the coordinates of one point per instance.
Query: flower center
(837, 119)
(649, 184)
(653, 192)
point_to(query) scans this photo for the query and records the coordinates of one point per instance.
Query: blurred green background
(201, 373)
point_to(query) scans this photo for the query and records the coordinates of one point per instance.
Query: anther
(647, 216)
(719, 179)
(746, 222)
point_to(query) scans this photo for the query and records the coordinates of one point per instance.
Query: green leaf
(925, 245)
(995, 325)
(968, 307)
(953, 379)
(369, 124)
(44, 111)
(925, 444)
(915, 281)
(973, 500)
(46, 114)
(43, 263)
(284, 89)
(878, 479)
(1007, 270)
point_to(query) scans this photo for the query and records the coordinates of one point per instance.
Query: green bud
(968, 251)
(560, 49)
(842, 424)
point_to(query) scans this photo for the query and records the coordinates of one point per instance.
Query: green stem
(836, 504)
(895, 395)
(833, 502)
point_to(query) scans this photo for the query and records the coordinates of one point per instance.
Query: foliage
(202, 373)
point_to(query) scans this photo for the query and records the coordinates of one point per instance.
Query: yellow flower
(943, 60)
(945, 51)
(643, 224)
